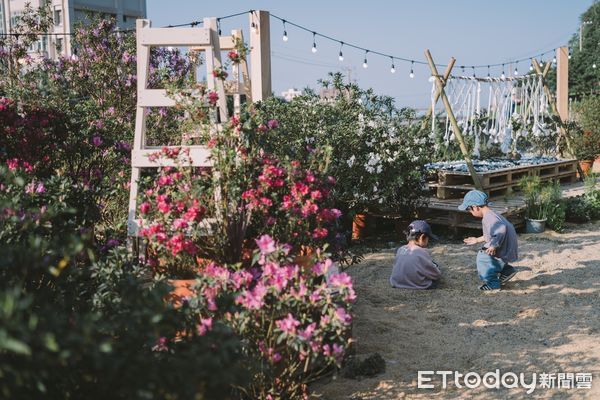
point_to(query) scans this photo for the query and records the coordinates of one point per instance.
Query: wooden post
(455, 127)
(562, 83)
(260, 55)
(562, 131)
(437, 94)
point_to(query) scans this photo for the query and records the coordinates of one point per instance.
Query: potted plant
(540, 200)
(585, 141)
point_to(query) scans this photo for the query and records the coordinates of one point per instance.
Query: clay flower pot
(182, 290)
(586, 166)
(359, 226)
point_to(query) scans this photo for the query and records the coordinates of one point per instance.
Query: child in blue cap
(413, 267)
(500, 238)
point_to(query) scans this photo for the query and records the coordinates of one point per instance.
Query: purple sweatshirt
(413, 268)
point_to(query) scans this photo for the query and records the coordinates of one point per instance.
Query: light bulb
(412, 74)
(314, 48)
(393, 70)
(365, 65)
(253, 27)
(554, 60)
(516, 72)
(569, 55)
(341, 57)
(502, 76)
(285, 37)
(531, 67)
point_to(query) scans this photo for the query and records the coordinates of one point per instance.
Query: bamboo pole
(457, 132)
(437, 93)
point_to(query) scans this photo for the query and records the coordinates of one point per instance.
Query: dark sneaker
(506, 276)
(487, 288)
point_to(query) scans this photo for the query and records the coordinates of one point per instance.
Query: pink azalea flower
(343, 316)
(97, 141)
(145, 207)
(307, 333)
(319, 233)
(266, 244)
(205, 326)
(288, 324)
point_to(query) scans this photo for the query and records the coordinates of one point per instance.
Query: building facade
(66, 14)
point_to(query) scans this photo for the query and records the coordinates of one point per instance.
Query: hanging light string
(395, 57)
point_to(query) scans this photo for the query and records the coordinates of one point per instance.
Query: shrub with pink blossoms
(171, 215)
(293, 322)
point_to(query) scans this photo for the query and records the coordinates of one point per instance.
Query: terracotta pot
(182, 289)
(596, 166)
(359, 226)
(305, 257)
(586, 166)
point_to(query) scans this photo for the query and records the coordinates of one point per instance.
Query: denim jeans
(488, 268)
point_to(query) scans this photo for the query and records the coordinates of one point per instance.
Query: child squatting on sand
(500, 240)
(414, 268)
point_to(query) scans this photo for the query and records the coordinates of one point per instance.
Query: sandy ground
(546, 320)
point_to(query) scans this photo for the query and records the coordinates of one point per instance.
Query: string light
(412, 73)
(218, 25)
(531, 65)
(502, 76)
(253, 27)
(516, 71)
(473, 72)
(488, 71)
(393, 58)
(392, 69)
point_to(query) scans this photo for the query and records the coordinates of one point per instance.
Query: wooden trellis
(206, 39)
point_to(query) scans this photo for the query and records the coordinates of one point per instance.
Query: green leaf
(15, 346)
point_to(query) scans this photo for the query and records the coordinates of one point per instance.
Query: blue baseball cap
(474, 198)
(420, 226)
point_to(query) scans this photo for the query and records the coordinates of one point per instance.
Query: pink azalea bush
(292, 202)
(294, 323)
(171, 214)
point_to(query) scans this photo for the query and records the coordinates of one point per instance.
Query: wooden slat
(154, 98)
(198, 154)
(174, 37)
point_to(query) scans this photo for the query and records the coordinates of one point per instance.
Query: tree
(583, 78)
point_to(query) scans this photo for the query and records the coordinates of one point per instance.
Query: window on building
(59, 45)
(57, 16)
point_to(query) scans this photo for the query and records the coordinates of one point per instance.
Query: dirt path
(546, 320)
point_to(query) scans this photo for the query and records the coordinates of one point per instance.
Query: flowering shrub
(294, 323)
(292, 202)
(377, 154)
(31, 137)
(171, 214)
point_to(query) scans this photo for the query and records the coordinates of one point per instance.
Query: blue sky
(474, 32)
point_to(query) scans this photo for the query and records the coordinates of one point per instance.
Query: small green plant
(543, 200)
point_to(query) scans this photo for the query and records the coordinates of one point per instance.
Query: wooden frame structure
(206, 39)
(441, 83)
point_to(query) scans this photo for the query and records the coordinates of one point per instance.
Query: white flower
(350, 161)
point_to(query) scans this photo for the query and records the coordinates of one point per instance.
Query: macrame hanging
(516, 107)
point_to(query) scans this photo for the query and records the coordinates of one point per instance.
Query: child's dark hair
(412, 235)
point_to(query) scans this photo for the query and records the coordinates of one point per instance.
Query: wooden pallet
(445, 211)
(502, 182)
